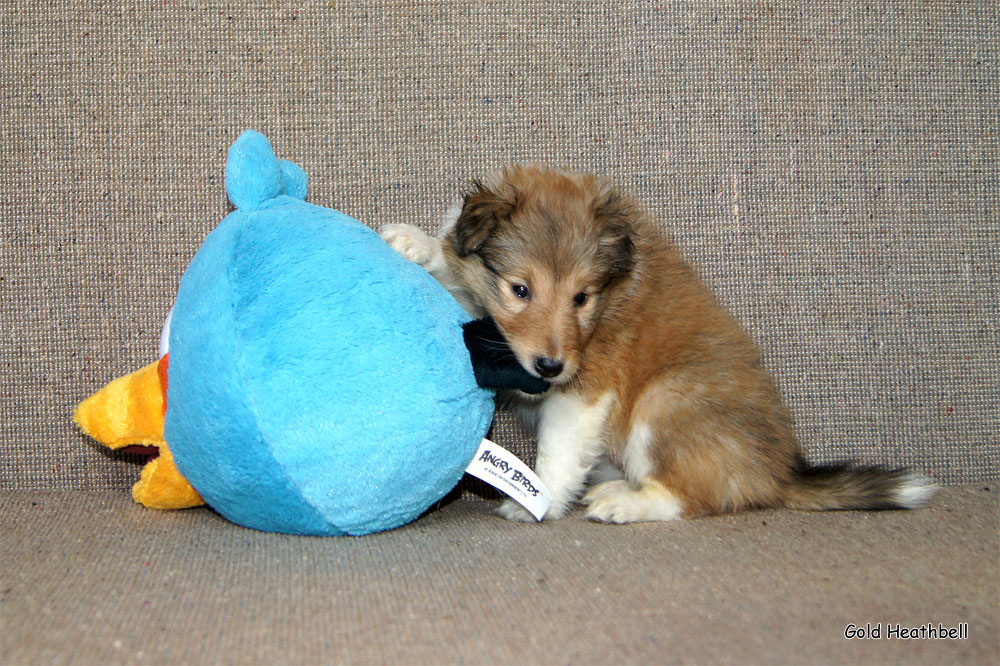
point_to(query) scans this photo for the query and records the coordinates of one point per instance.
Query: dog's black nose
(548, 367)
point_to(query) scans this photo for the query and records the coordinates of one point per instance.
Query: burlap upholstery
(132, 586)
(830, 167)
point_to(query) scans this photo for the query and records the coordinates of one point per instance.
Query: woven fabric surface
(91, 578)
(830, 167)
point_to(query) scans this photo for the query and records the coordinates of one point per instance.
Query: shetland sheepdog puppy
(659, 407)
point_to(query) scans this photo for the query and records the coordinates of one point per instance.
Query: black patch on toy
(494, 363)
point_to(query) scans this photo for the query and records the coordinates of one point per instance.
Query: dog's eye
(521, 291)
(580, 298)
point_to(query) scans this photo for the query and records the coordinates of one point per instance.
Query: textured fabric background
(831, 167)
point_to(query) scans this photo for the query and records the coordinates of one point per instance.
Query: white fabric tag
(504, 471)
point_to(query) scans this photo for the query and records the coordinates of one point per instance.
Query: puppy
(659, 402)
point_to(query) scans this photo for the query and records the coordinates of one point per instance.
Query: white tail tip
(915, 491)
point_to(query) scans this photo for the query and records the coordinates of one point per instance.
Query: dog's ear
(485, 206)
(616, 246)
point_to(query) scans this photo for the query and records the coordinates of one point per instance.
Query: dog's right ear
(485, 206)
(616, 247)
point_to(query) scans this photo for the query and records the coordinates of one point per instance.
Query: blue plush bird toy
(316, 383)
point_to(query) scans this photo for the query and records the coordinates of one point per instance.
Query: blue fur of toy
(318, 381)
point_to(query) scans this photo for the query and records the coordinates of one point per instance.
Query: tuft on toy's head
(318, 381)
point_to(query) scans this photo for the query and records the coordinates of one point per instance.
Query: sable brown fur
(614, 302)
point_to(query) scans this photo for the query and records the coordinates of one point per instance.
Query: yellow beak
(130, 411)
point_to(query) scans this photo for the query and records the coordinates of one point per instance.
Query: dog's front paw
(511, 510)
(410, 242)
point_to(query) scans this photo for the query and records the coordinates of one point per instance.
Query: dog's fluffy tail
(833, 487)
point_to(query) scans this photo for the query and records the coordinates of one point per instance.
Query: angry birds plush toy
(314, 381)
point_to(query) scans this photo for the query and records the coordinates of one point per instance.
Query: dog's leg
(417, 246)
(570, 439)
(637, 497)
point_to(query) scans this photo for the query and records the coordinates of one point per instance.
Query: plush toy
(315, 381)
